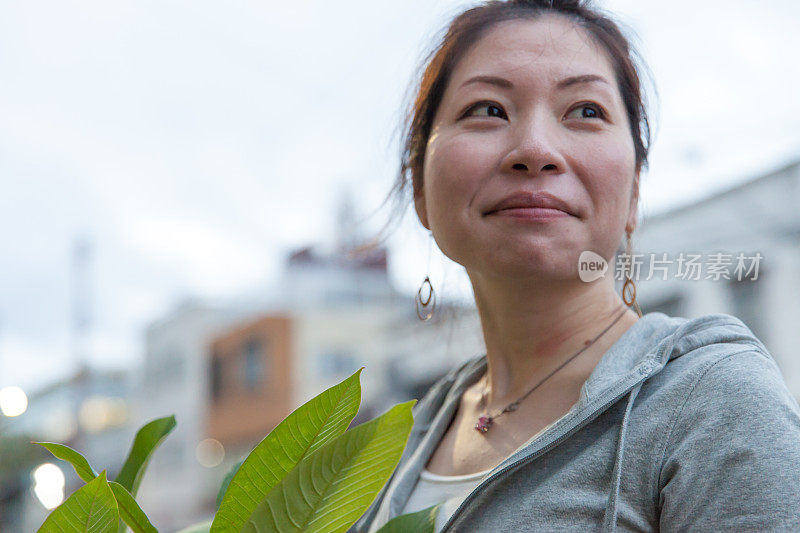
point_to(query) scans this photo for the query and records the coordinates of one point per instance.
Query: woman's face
(547, 118)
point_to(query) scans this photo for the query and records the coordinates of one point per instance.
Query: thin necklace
(485, 421)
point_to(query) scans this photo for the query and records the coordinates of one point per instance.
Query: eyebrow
(563, 84)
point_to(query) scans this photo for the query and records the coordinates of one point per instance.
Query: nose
(534, 148)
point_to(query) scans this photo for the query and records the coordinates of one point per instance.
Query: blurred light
(210, 453)
(13, 401)
(49, 485)
(98, 413)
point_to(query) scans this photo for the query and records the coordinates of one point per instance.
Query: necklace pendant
(484, 423)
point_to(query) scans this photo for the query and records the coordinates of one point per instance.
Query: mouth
(531, 204)
(530, 213)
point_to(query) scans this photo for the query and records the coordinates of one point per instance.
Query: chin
(543, 273)
(534, 257)
(528, 265)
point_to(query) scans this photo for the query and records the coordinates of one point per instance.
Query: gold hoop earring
(629, 288)
(429, 301)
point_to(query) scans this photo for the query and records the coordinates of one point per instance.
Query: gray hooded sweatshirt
(683, 425)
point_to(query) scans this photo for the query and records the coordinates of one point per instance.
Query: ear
(422, 211)
(633, 208)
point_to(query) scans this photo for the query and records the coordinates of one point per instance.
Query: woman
(525, 148)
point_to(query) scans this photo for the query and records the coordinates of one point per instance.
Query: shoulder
(710, 330)
(695, 346)
(721, 384)
(732, 449)
(724, 371)
(744, 379)
(734, 403)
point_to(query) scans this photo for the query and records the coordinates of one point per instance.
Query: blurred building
(736, 252)
(250, 372)
(232, 370)
(422, 353)
(337, 313)
(89, 412)
(174, 379)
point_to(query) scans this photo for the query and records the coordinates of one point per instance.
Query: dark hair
(464, 31)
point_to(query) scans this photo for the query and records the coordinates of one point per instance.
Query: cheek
(607, 173)
(454, 168)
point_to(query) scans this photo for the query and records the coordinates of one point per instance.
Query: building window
(253, 364)
(216, 376)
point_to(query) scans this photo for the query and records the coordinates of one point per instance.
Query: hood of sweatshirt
(645, 349)
(639, 354)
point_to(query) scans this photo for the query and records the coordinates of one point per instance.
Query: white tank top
(449, 491)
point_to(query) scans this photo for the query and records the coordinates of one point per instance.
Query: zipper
(647, 367)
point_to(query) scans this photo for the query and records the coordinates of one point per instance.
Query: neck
(531, 328)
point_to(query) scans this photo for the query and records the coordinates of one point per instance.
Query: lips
(523, 199)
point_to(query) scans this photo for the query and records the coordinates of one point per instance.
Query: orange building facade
(250, 370)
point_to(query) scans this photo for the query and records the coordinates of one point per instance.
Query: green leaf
(130, 511)
(226, 481)
(78, 461)
(92, 508)
(201, 527)
(332, 487)
(423, 521)
(147, 439)
(304, 431)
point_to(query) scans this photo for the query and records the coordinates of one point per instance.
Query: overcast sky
(194, 142)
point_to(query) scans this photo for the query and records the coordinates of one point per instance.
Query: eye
(493, 110)
(587, 110)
